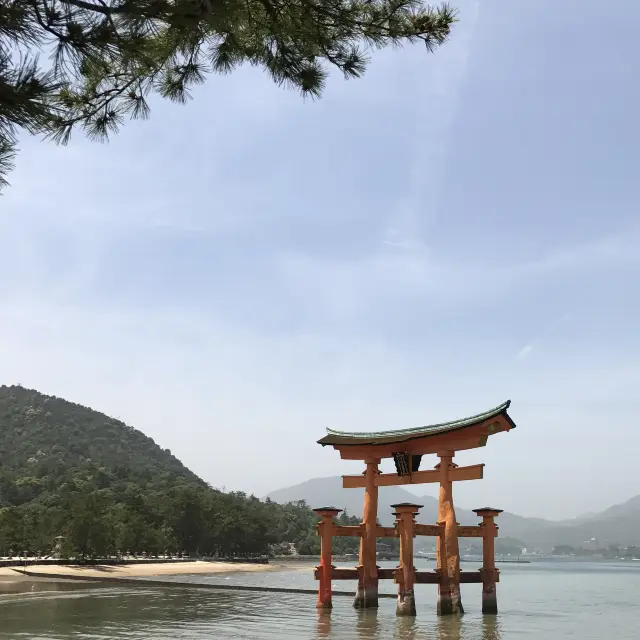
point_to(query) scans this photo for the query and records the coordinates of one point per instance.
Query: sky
(450, 231)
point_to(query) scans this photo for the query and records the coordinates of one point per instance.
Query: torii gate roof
(469, 432)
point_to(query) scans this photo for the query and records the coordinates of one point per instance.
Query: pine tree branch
(109, 54)
(89, 6)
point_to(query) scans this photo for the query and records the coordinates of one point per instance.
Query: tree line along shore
(79, 484)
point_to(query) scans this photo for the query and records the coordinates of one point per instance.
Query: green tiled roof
(387, 437)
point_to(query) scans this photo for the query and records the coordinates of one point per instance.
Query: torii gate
(407, 447)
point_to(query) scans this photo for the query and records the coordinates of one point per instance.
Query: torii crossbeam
(407, 447)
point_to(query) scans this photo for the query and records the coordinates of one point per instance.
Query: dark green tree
(88, 528)
(107, 56)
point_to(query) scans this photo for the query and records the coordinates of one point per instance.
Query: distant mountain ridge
(619, 524)
(323, 490)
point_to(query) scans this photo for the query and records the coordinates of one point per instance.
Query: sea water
(546, 600)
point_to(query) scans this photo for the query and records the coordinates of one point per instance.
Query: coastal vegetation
(66, 470)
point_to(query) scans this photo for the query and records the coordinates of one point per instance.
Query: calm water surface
(545, 600)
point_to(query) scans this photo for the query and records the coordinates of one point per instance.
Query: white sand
(140, 570)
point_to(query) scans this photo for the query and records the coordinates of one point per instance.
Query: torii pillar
(325, 570)
(367, 591)
(405, 514)
(447, 548)
(489, 571)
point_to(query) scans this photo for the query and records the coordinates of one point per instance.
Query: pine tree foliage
(93, 63)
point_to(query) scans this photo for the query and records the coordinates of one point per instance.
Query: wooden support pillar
(325, 530)
(489, 572)
(405, 514)
(367, 591)
(448, 551)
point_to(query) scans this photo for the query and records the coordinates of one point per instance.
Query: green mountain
(106, 487)
(46, 443)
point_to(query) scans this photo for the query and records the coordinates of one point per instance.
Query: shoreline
(142, 570)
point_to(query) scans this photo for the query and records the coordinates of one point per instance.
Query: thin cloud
(524, 352)
(409, 267)
(551, 329)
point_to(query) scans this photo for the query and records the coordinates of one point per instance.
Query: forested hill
(47, 442)
(106, 487)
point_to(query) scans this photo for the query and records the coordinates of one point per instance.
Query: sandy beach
(141, 570)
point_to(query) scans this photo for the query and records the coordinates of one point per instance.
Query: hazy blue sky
(449, 232)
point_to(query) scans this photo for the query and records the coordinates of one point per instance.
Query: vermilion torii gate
(407, 447)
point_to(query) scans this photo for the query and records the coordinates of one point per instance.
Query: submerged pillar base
(449, 601)
(406, 603)
(366, 597)
(489, 600)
